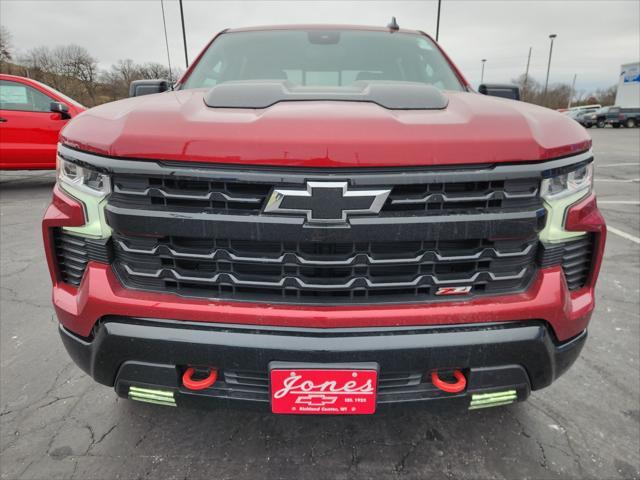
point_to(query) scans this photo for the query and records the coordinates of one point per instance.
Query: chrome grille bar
(298, 282)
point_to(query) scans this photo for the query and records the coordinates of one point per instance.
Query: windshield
(323, 58)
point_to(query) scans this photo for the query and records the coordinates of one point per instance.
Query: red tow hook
(191, 384)
(457, 387)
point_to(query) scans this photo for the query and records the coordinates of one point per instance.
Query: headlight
(568, 183)
(86, 179)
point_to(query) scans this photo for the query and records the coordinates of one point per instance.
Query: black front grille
(201, 231)
(189, 194)
(574, 256)
(576, 262)
(486, 196)
(233, 197)
(73, 252)
(317, 272)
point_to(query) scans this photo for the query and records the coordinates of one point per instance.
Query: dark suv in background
(614, 116)
(629, 117)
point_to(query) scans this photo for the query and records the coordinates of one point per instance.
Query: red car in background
(31, 117)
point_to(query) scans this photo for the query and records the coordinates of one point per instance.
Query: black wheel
(630, 123)
(588, 125)
(600, 124)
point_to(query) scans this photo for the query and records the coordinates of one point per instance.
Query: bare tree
(529, 87)
(117, 79)
(153, 70)
(75, 62)
(127, 70)
(70, 69)
(110, 80)
(158, 71)
(6, 46)
(606, 96)
(39, 65)
(557, 94)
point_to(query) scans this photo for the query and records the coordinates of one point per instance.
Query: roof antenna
(393, 25)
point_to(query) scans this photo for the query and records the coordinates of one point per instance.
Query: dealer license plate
(318, 391)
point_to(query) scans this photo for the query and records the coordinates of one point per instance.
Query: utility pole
(526, 75)
(482, 74)
(546, 82)
(573, 89)
(184, 36)
(438, 21)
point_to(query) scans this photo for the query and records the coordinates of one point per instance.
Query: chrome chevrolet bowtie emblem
(326, 202)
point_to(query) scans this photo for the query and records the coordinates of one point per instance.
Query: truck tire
(630, 123)
(600, 123)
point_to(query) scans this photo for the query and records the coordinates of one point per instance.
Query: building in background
(628, 94)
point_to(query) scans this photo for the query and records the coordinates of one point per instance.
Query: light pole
(526, 76)
(482, 74)
(546, 83)
(573, 89)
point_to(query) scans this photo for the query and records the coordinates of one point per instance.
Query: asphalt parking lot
(55, 422)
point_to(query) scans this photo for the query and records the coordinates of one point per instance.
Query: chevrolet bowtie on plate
(323, 220)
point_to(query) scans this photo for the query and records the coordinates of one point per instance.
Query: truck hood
(179, 126)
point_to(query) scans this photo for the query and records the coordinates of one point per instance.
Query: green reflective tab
(151, 391)
(152, 395)
(499, 404)
(156, 402)
(482, 396)
(492, 399)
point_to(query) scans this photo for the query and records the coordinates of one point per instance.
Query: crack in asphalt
(544, 462)
(430, 434)
(27, 301)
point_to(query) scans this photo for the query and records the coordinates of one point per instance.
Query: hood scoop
(265, 93)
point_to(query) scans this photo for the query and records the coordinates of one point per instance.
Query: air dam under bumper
(146, 353)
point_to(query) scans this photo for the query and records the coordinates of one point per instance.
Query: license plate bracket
(323, 389)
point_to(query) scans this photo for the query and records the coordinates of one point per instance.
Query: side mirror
(61, 108)
(147, 87)
(505, 91)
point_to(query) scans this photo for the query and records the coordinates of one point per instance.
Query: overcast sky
(594, 37)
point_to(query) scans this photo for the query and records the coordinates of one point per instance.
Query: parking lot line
(618, 180)
(602, 165)
(618, 202)
(622, 234)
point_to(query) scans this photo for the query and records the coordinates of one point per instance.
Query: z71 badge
(453, 290)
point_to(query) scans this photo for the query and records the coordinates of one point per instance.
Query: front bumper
(126, 352)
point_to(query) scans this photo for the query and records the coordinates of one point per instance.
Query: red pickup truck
(31, 117)
(323, 220)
